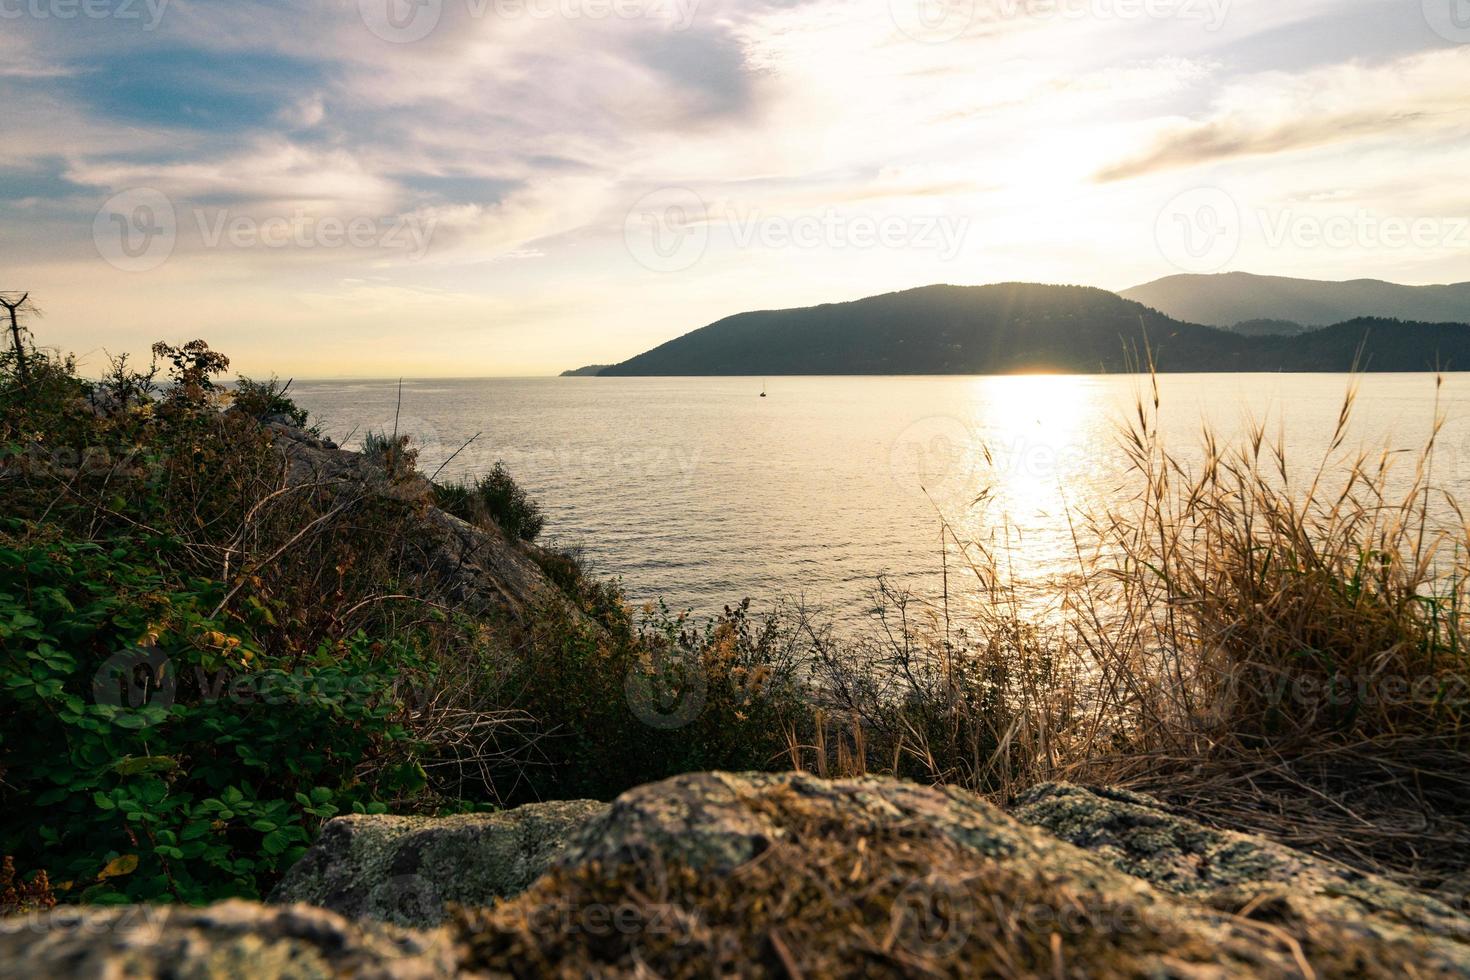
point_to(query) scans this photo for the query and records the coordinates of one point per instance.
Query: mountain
(590, 371)
(1233, 297)
(1019, 327)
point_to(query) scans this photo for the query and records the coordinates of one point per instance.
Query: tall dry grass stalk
(1281, 643)
(1275, 644)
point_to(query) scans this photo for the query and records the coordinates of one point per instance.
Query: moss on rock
(405, 869)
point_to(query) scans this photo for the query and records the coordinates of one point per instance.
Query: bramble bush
(154, 753)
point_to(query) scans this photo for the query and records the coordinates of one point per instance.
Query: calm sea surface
(698, 491)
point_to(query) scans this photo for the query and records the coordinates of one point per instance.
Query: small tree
(14, 306)
(194, 367)
(125, 384)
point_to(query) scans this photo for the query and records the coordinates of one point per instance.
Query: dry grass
(1278, 647)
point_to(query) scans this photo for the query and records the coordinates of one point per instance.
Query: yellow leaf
(119, 866)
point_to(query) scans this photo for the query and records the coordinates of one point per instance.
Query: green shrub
(264, 399)
(152, 752)
(602, 599)
(494, 497)
(631, 705)
(54, 391)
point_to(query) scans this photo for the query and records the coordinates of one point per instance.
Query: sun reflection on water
(1041, 443)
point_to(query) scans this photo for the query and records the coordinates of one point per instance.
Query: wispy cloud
(1278, 112)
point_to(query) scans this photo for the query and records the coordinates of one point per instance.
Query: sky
(459, 188)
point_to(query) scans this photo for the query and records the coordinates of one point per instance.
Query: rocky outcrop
(405, 869)
(231, 940)
(1227, 870)
(793, 875)
(461, 563)
(788, 875)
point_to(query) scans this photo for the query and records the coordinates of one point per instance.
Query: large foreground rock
(234, 940)
(788, 875)
(404, 869)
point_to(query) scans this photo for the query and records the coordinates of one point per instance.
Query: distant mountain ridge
(1235, 297)
(1019, 327)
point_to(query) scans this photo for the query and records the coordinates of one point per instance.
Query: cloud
(271, 173)
(19, 59)
(1278, 112)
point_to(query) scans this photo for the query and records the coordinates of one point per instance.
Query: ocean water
(699, 492)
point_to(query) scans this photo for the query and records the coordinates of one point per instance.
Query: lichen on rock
(1227, 870)
(405, 869)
